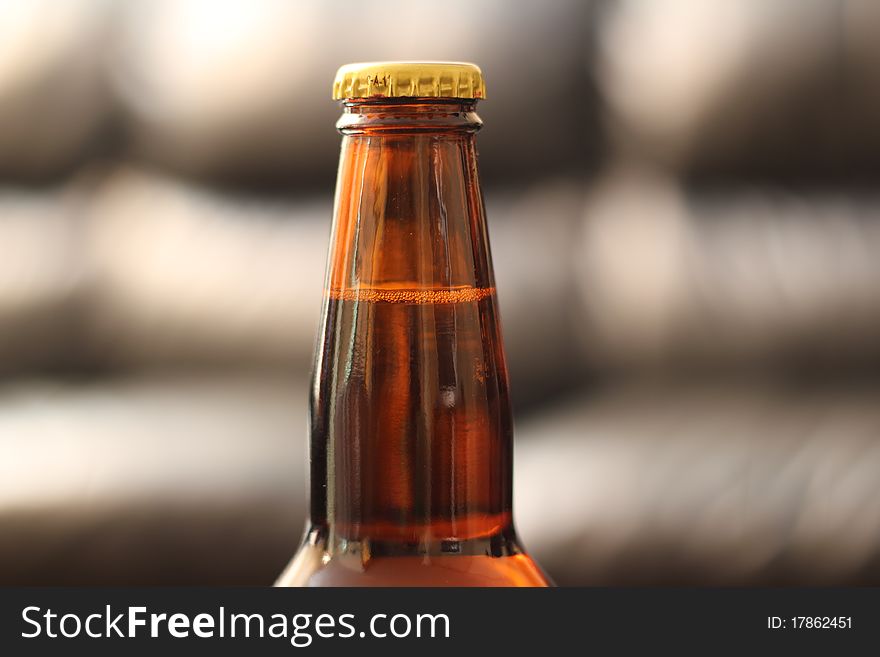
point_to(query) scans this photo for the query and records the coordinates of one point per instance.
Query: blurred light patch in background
(687, 264)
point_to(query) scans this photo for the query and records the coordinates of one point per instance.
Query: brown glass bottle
(411, 463)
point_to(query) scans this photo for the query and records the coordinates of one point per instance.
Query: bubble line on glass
(421, 296)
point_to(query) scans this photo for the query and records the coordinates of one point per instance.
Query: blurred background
(686, 231)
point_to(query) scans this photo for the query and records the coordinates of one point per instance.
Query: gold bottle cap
(409, 79)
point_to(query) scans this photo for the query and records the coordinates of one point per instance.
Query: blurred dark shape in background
(687, 263)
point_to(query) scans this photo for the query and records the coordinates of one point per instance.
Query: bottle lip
(406, 100)
(453, 80)
(404, 114)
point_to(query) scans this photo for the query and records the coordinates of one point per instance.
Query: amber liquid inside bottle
(411, 454)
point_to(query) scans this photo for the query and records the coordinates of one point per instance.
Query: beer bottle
(411, 463)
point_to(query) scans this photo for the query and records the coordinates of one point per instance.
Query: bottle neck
(410, 426)
(408, 215)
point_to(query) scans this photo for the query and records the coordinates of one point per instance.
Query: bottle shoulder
(312, 567)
